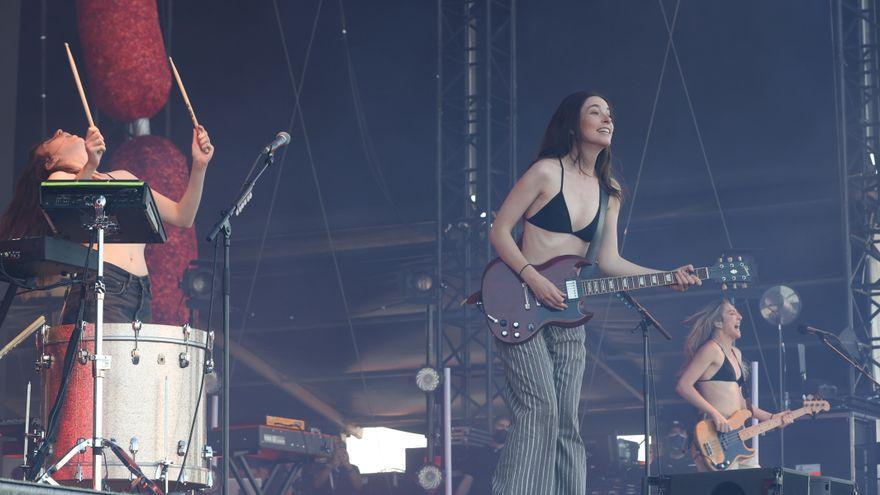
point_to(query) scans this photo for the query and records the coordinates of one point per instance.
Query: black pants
(126, 298)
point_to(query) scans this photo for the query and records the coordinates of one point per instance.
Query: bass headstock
(816, 406)
(733, 272)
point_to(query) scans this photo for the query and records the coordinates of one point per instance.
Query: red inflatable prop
(124, 57)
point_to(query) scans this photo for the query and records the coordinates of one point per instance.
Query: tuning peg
(739, 258)
(730, 259)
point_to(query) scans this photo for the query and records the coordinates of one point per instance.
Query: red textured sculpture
(124, 57)
(158, 162)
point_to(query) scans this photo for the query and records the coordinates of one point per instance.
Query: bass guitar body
(718, 451)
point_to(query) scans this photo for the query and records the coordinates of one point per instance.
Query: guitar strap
(593, 251)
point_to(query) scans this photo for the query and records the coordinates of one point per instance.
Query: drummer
(65, 156)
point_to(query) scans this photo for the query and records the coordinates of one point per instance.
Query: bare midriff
(726, 397)
(539, 245)
(129, 257)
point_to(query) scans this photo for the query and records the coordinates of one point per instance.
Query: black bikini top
(726, 373)
(554, 216)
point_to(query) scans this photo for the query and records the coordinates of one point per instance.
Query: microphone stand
(823, 336)
(224, 226)
(647, 321)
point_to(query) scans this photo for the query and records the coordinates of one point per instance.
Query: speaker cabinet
(761, 481)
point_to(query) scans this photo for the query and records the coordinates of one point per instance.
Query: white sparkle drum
(151, 400)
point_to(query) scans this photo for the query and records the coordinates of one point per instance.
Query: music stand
(119, 212)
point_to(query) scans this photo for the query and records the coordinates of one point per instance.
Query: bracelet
(523, 268)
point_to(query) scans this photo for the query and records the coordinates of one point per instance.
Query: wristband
(523, 268)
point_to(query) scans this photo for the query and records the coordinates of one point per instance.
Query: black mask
(676, 443)
(500, 436)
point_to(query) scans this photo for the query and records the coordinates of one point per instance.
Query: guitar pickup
(708, 448)
(571, 289)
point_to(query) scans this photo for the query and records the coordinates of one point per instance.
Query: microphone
(808, 330)
(282, 139)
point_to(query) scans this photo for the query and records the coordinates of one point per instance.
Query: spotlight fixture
(430, 477)
(427, 379)
(196, 282)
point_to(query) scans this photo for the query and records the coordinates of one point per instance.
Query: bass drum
(151, 396)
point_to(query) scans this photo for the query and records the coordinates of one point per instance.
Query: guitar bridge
(571, 289)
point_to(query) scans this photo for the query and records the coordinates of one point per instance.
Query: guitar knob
(503, 323)
(531, 327)
(516, 324)
(504, 333)
(516, 335)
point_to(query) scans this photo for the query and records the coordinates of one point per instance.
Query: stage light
(427, 379)
(430, 477)
(197, 283)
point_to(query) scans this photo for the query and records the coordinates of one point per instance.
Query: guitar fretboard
(599, 286)
(765, 426)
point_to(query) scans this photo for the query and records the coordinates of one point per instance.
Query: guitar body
(514, 314)
(719, 450)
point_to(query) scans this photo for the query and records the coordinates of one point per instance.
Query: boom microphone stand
(224, 226)
(646, 322)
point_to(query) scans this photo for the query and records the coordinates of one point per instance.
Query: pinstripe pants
(544, 453)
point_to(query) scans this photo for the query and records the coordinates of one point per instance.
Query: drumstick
(189, 108)
(23, 335)
(79, 86)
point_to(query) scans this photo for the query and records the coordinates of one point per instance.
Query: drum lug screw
(209, 366)
(184, 359)
(83, 356)
(208, 452)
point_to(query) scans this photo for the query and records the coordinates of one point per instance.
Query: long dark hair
(23, 217)
(564, 134)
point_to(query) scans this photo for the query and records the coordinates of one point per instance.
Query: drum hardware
(133, 445)
(83, 356)
(27, 418)
(135, 353)
(132, 207)
(160, 359)
(181, 448)
(183, 358)
(43, 362)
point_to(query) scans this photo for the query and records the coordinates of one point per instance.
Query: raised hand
(202, 149)
(95, 147)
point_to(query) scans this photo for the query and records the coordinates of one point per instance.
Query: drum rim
(198, 338)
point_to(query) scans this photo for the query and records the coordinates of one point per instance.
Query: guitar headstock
(816, 406)
(733, 272)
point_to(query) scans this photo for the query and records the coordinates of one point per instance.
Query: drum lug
(160, 359)
(209, 366)
(136, 325)
(82, 356)
(208, 453)
(45, 362)
(181, 448)
(134, 445)
(184, 359)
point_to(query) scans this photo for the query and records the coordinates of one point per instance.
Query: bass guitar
(719, 450)
(515, 315)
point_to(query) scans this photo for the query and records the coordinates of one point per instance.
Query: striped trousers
(544, 453)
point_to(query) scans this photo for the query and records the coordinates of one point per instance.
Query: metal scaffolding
(476, 166)
(857, 89)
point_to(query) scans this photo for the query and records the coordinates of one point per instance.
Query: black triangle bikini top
(555, 217)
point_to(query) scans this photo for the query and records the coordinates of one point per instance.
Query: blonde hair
(702, 324)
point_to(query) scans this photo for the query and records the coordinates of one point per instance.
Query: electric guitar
(719, 450)
(515, 315)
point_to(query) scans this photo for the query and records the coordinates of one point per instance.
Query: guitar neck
(610, 285)
(770, 424)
